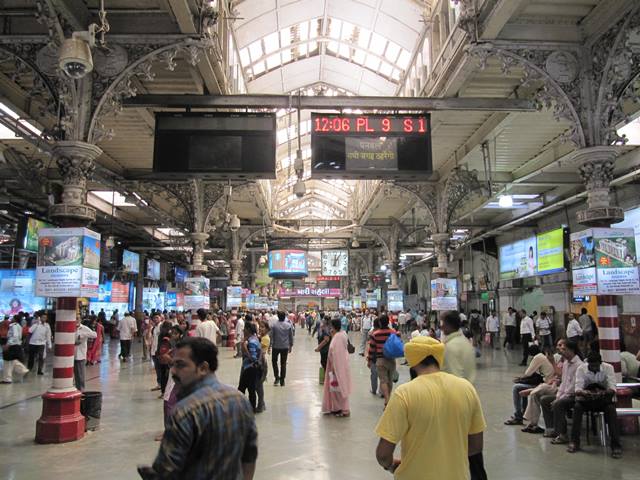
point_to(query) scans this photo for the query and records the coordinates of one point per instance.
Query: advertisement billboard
(288, 263)
(27, 235)
(444, 294)
(550, 251)
(395, 300)
(631, 220)
(604, 261)
(344, 304)
(180, 274)
(372, 300)
(130, 262)
(196, 293)
(518, 259)
(68, 262)
(152, 299)
(153, 269)
(17, 292)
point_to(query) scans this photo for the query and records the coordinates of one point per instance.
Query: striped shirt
(209, 435)
(379, 337)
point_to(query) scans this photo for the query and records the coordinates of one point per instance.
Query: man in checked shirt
(211, 434)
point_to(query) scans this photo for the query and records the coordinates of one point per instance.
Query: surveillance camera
(234, 223)
(75, 56)
(299, 189)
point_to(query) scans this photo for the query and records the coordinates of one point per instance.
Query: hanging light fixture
(505, 201)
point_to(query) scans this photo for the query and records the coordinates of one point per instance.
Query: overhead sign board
(370, 146)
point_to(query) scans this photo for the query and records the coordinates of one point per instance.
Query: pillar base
(61, 420)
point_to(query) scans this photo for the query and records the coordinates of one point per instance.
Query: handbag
(350, 347)
(334, 387)
(534, 379)
(487, 338)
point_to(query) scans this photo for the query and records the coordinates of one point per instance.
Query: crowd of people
(439, 351)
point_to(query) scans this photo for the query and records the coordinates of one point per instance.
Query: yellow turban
(420, 348)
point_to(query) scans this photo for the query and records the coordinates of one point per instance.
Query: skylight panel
(286, 56)
(386, 69)
(404, 59)
(344, 50)
(273, 61)
(303, 29)
(255, 49)
(372, 62)
(395, 74)
(312, 46)
(271, 43)
(392, 52)
(378, 44)
(258, 68)
(333, 46)
(347, 31)
(334, 28)
(359, 56)
(244, 56)
(285, 37)
(363, 38)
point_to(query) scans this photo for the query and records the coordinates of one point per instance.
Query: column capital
(76, 163)
(596, 165)
(199, 240)
(441, 247)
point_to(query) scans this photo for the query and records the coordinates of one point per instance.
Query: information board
(370, 146)
(395, 300)
(196, 293)
(288, 263)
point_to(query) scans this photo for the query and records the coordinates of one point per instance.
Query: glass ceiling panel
(334, 37)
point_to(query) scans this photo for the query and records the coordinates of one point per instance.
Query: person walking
(250, 372)
(437, 418)
(386, 367)
(39, 340)
(574, 330)
(510, 322)
(372, 358)
(83, 333)
(239, 336)
(211, 434)
(492, 327)
(281, 346)
(367, 324)
(460, 359)
(13, 354)
(526, 336)
(127, 328)
(337, 380)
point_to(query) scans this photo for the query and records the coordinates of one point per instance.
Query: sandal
(573, 447)
(528, 429)
(343, 414)
(560, 440)
(536, 430)
(513, 421)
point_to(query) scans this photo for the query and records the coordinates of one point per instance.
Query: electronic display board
(518, 259)
(229, 145)
(550, 251)
(370, 146)
(153, 269)
(288, 264)
(130, 262)
(27, 235)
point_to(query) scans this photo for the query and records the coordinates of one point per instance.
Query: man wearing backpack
(386, 367)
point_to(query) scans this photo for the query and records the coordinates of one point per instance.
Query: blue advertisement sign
(17, 292)
(181, 274)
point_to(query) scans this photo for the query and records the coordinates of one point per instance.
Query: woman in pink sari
(94, 353)
(337, 380)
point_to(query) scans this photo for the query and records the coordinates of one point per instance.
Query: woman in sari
(337, 381)
(94, 353)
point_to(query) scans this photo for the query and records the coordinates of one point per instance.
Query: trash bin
(91, 407)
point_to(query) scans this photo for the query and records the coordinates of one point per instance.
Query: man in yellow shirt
(437, 417)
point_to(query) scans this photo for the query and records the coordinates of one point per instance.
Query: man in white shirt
(39, 340)
(510, 321)
(574, 331)
(127, 328)
(595, 392)
(207, 327)
(543, 324)
(492, 327)
(13, 354)
(239, 336)
(82, 334)
(526, 336)
(367, 323)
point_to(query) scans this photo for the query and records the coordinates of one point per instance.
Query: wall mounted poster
(444, 294)
(68, 262)
(604, 261)
(518, 259)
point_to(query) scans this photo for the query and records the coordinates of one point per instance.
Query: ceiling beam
(331, 103)
(75, 12)
(499, 16)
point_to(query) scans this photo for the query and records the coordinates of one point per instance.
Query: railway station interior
(462, 170)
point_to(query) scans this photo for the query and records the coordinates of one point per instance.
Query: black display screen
(230, 145)
(370, 146)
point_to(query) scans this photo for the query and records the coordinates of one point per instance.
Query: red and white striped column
(609, 332)
(61, 420)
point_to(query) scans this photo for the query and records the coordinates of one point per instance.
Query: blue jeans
(374, 378)
(519, 403)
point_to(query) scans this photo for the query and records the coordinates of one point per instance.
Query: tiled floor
(295, 441)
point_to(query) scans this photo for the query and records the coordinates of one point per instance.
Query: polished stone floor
(295, 441)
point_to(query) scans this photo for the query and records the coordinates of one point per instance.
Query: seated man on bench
(595, 392)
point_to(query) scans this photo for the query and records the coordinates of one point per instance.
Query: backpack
(393, 347)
